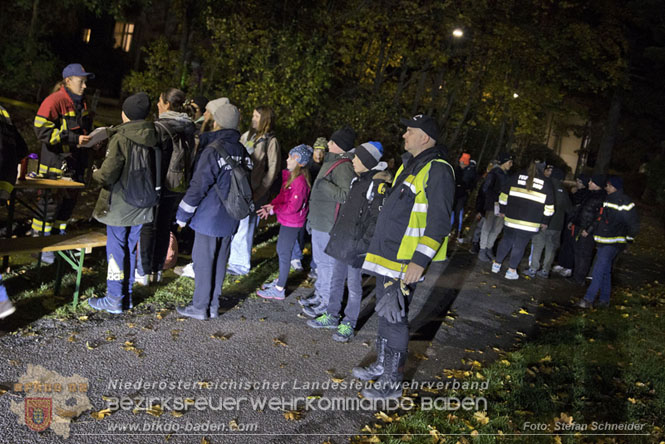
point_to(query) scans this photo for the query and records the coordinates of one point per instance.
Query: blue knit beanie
(616, 182)
(369, 154)
(303, 154)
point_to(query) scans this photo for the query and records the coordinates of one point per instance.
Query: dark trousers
(121, 257)
(156, 235)
(584, 247)
(211, 255)
(514, 242)
(566, 258)
(602, 273)
(397, 334)
(285, 241)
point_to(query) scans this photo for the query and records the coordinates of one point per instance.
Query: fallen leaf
(481, 418)
(83, 318)
(292, 415)
(221, 336)
(89, 347)
(233, 425)
(101, 414)
(277, 341)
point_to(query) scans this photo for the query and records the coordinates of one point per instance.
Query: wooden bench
(70, 248)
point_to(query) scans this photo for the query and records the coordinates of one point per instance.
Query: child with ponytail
(290, 207)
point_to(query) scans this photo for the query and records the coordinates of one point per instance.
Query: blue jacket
(201, 206)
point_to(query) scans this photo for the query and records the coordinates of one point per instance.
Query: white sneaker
(186, 271)
(557, 269)
(512, 275)
(296, 264)
(496, 267)
(6, 308)
(141, 279)
(566, 272)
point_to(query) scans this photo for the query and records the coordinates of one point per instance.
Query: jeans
(583, 247)
(602, 273)
(353, 276)
(549, 241)
(156, 235)
(211, 255)
(3, 291)
(491, 229)
(514, 242)
(285, 242)
(324, 263)
(458, 211)
(121, 257)
(397, 334)
(241, 245)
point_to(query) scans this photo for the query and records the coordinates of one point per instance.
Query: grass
(601, 365)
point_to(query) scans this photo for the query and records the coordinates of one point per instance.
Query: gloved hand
(392, 305)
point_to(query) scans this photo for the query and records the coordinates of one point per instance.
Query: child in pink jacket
(290, 207)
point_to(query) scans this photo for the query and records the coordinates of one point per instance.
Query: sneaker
(267, 285)
(156, 277)
(496, 267)
(460, 240)
(106, 304)
(48, 257)
(475, 248)
(191, 312)
(566, 272)
(312, 274)
(186, 271)
(141, 279)
(6, 308)
(557, 269)
(483, 255)
(324, 321)
(344, 332)
(530, 272)
(272, 293)
(234, 272)
(314, 311)
(543, 274)
(512, 275)
(583, 303)
(296, 264)
(313, 299)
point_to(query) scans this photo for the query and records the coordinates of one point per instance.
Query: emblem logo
(38, 413)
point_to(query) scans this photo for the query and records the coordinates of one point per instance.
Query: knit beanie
(504, 157)
(465, 158)
(302, 153)
(344, 138)
(214, 104)
(584, 179)
(227, 116)
(369, 154)
(137, 106)
(321, 144)
(599, 179)
(616, 182)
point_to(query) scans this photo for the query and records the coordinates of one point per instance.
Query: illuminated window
(123, 35)
(86, 35)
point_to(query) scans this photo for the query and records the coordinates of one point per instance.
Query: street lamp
(515, 95)
(458, 33)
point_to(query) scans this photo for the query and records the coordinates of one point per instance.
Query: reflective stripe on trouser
(60, 225)
(38, 225)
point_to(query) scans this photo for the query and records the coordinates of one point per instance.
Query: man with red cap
(465, 179)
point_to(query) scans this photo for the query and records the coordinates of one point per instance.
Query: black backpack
(238, 200)
(178, 173)
(144, 176)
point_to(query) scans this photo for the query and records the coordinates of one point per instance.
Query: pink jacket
(291, 204)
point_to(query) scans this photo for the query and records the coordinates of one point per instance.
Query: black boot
(375, 369)
(389, 385)
(475, 248)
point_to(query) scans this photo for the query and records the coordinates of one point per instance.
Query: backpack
(178, 172)
(238, 200)
(144, 176)
(330, 170)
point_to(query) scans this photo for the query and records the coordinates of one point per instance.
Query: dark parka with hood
(354, 227)
(111, 208)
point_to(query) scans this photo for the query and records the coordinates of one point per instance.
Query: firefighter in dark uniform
(62, 124)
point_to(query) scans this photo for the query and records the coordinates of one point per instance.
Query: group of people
(363, 220)
(533, 205)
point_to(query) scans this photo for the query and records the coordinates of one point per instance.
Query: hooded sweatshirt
(111, 208)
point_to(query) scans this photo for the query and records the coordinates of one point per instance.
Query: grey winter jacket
(111, 208)
(328, 191)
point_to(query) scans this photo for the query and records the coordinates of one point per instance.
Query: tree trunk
(401, 85)
(420, 91)
(461, 123)
(482, 150)
(609, 135)
(436, 88)
(500, 139)
(184, 40)
(378, 77)
(33, 20)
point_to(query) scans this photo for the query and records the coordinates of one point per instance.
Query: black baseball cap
(425, 123)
